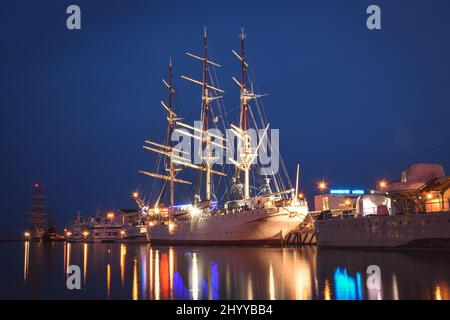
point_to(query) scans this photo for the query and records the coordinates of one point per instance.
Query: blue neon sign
(347, 191)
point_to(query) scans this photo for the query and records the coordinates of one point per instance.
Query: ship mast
(243, 122)
(206, 105)
(167, 150)
(207, 99)
(38, 218)
(248, 155)
(171, 123)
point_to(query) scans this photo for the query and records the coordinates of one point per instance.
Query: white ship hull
(136, 234)
(427, 230)
(257, 226)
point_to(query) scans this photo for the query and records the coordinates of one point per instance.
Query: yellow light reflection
(26, 259)
(65, 255)
(157, 283)
(85, 258)
(437, 292)
(249, 287)
(394, 287)
(327, 290)
(68, 256)
(135, 281)
(195, 289)
(271, 282)
(123, 252)
(108, 280)
(171, 269)
(150, 278)
(302, 282)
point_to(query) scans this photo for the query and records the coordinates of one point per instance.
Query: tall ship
(411, 213)
(38, 216)
(259, 207)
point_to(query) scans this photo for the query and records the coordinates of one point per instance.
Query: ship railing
(333, 213)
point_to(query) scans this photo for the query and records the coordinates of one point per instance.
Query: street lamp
(382, 184)
(322, 185)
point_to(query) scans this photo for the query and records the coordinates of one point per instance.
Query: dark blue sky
(353, 105)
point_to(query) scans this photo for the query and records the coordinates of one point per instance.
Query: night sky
(353, 105)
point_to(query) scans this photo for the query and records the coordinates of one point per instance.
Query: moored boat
(411, 213)
(264, 217)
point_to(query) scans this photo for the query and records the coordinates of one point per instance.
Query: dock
(305, 234)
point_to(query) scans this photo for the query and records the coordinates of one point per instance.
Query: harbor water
(141, 271)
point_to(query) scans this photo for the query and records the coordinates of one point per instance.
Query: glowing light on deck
(171, 226)
(110, 215)
(194, 211)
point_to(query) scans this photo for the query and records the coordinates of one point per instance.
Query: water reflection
(441, 291)
(108, 280)
(194, 277)
(327, 290)
(123, 252)
(249, 287)
(26, 259)
(157, 283)
(394, 287)
(85, 260)
(271, 282)
(346, 286)
(135, 281)
(134, 271)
